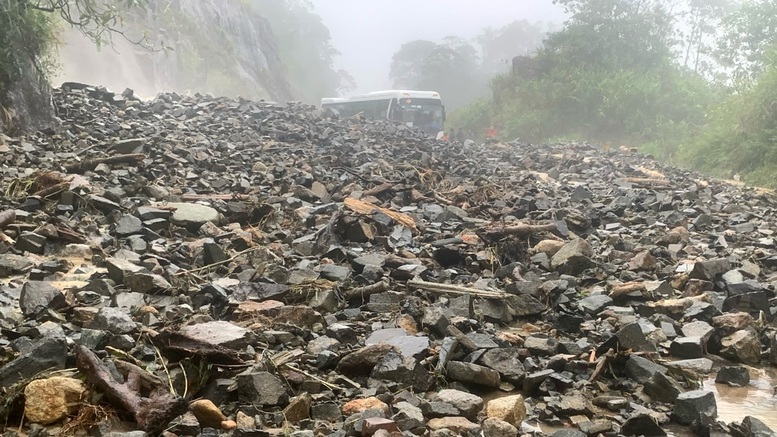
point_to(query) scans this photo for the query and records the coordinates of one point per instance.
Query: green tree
(749, 33)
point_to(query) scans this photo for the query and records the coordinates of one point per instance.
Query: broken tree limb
(7, 217)
(601, 363)
(177, 346)
(54, 189)
(628, 288)
(455, 289)
(523, 230)
(366, 208)
(366, 291)
(196, 197)
(91, 164)
(152, 413)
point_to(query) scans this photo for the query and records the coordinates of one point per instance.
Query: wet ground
(757, 399)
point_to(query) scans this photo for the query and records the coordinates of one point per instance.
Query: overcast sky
(368, 32)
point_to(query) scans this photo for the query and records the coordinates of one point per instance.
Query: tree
(500, 46)
(407, 63)
(747, 37)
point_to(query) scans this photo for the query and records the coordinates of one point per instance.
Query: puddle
(757, 399)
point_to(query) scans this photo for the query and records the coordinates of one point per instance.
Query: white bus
(421, 109)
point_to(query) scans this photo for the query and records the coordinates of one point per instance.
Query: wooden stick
(91, 164)
(463, 339)
(62, 186)
(602, 361)
(195, 197)
(521, 230)
(628, 288)
(455, 289)
(152, 413)
(366, 291)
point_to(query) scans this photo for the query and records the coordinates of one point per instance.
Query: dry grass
(88, 416)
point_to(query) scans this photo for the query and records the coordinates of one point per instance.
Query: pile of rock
(225, 267)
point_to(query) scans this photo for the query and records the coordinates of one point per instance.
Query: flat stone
(407, 345)
(334, 272)
(358, 406)
(11, 264)
(193, 214)
(362, 361)
(699, 365)
(114, 320)
(472, 374)
(468, 405)
(710, 270)
(641, 369)
(261, 388)
(48, 353)
(506, 361)
(128, 225)
(459, 425)
(595, 304)
(218, 333)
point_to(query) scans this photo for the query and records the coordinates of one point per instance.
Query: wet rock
(736, 376)
(510, 409)
(753, 427)
(39, 296)
(52, 399)
(742, 346)
(662, 388)
(641, 369)
(642, 425)
(696, 406)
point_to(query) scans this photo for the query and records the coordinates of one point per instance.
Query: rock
(114, 320)
(696, 406)
(710, 270)
(261, 388)
(39, 296)
(507, 362)
(510, 409)
(755, 428)
(207, 413)
(699, 365)
(218, 333)
(328, 412)
(11, 264)
(409, 417)
(472, 374)
(468, 405)
(46, 353)
(145, 283)
(687, 347)
(407, 345)
(128, 225)
(298, 408)
(362, 361)
(642, 261)
(373, 424)
(641, 369)
(193, 215)
(357, 406)
(334, 272)
(595, 304)
(493, 427)
(662, 388)
(742, 346)
(736, 376)
(459, 425)
(573, 258)
(52, 399)
(642, 425)
(541, 345)
(567, 433)
(732, 322)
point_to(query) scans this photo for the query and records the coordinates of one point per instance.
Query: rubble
(227, 267)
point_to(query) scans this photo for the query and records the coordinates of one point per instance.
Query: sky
(368, 32)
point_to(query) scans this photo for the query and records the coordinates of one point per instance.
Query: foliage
(748, 33)
(500, 46)
(25, 35)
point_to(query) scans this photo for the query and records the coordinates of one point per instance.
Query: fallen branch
(216, 264)
(54, 189)
(196, 197)
(7, 217)
(603, 361)
(91, 164)
(366, 208)
(366, 291)
(522, 230)
(455, 289)
(463, 339)
(382, 188)
(628, 288)
(152, 413)
(177, 346)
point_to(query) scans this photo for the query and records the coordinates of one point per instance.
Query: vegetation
(692, 81)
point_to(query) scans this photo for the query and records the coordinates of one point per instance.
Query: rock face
(52, 399)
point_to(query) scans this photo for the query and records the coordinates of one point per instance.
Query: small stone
(459, 425)
(114, 320)
(128, 225)
(374, 424)
(207, 413)
(52, 399)
(357, 406)
(193, 215)
(662, 388)
(39, 296)
(641, 369)
(573, 258)
(493, 427)
(362, 361)
(736, 376)
(218, 333)
(467, 404)
(594, 305)
(510, 409)
(261, 388)
(506, 361)
(298, 408)
(472, 374)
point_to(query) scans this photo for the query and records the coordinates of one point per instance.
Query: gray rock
(696, 406)
(755, 428)
(219, 333)
(632, 337)
(662, 388)
(48, 353)
(532, 381)
(128, 225)
(408, 417)
(710, 270)
(493, 427)
(407, 345)
(736, 376)
(118, 268)
(146, 283)
(524, 305)
(699, 365)
(31, 242)
(687, 347)
(327, 412)
(567, 433)
(573, 258)
(595, 304)
(641, 369)
(541, 345)
(334, 272)
(472, 374)
(642, 425)
(468, 405)
(507, 362)
(11, 264)
(39, 296)
(114, 321)
(261, 388)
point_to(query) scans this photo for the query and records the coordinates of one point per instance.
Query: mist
(368, 33)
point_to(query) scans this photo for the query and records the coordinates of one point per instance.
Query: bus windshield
(426, 114)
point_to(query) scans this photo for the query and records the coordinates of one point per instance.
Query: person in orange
(491, 134)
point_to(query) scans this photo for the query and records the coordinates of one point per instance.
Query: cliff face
(25, 103)
(218, 46)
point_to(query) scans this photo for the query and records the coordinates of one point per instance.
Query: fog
(368, 32)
